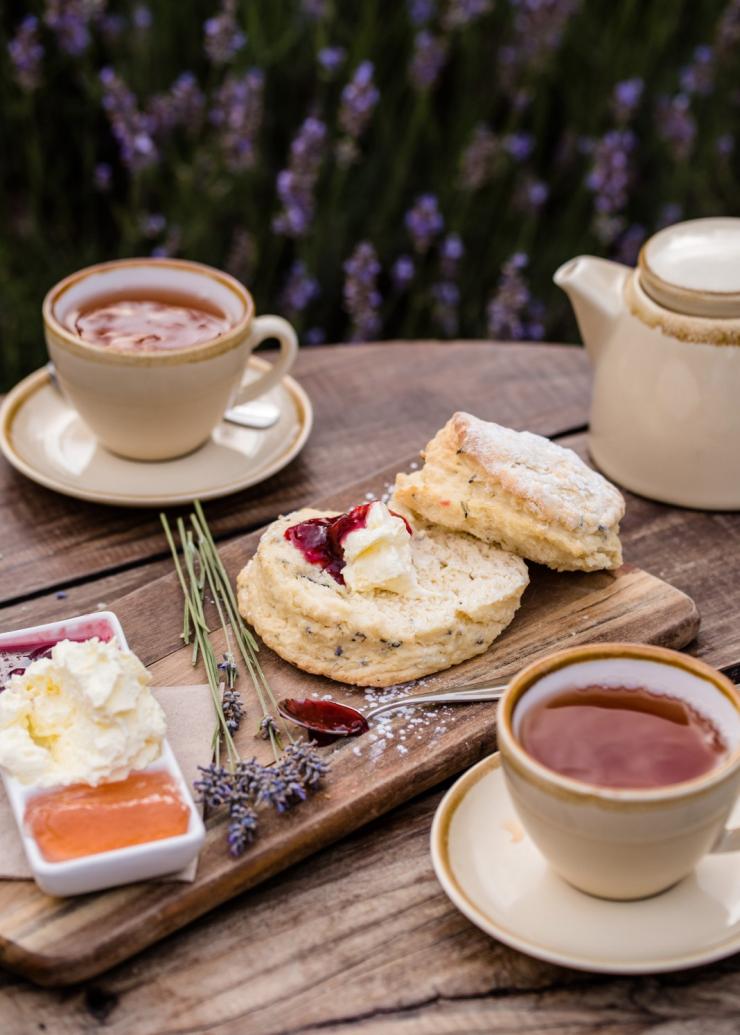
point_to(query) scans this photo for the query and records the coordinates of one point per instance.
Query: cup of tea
(623, 763)
(151, 352)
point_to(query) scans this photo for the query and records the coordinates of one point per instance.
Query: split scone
(361, 599)
(518, 490)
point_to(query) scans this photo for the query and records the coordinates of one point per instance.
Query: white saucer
(495, 876)
(43, 437)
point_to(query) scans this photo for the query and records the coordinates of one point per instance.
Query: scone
(463, 594)
(518, 490)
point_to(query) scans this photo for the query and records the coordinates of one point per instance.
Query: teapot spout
(595, 289)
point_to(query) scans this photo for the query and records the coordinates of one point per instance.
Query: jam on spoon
(320, 539)
(325, 719)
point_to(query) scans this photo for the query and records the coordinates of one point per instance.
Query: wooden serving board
(61, 941)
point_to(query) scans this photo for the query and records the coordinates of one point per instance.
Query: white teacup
(159, 405)
(623, 843)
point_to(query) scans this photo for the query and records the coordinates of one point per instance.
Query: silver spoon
(329, 719)
(258, 414)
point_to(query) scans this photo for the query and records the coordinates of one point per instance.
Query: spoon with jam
(327, 720)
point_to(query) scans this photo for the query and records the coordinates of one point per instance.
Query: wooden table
(360, 937)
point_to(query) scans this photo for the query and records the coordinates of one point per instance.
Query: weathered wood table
(360, 937)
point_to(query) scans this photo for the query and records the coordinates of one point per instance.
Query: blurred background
(369, 168)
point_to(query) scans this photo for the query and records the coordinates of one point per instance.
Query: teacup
(612, 842)
(157, 405)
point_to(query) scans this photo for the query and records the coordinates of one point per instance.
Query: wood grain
(58, 942)
(360, 938)
(372, 402)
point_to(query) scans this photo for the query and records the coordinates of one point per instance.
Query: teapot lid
(694, 267)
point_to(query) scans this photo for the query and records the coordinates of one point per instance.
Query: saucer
(495, 876)
(43, 437)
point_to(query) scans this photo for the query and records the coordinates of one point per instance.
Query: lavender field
(370, 168)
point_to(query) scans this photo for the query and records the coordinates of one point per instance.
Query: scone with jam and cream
(363, 598)
(519, 491)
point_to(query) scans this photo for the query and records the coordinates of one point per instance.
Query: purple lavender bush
(373, 170)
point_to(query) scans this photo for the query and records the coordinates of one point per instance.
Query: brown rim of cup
(231, 338)
(530, 768)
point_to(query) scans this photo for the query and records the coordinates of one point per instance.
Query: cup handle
(728, 841)
(264, 327)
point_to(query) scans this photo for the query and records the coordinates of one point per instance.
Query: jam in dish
(80, 820)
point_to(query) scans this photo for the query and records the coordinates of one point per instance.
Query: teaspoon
(329, 719)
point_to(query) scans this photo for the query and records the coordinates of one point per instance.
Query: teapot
(664, 341)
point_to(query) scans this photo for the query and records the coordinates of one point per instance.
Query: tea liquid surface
(617, 736)
(148, 324)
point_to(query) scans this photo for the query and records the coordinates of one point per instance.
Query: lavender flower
(626, 97)
(531, 194)
(242, 827)
(182, 105)
(727, 36)
(698, 77)
(630, 243)
(242, 255)
(725, 145)
(478, 158)
(237, 112)
(427, 61)
(460, 13)
(359, 98)
(233, 709)
(609, 180)
(132, 129)
(314, 9)
(26, 54)
(538, 29)
(402, 272)
(361, 296)
(315, 336)
(509, 308)
(111, 26)
(421, 12)
(300, 288)
(142, 17)
(295, 185)
(331, 59)
(223, 38)
(268, 728)
(677, 125)
(310, 765)
(215, 786)
(669, 214)
(274, 790)
(519, 145)
(445, 302)
(248, 777)
(152, 224)
(451, 253)
(424, 222)
(69, 21)
(102, 177)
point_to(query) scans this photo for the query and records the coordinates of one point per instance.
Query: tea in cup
(151, 352)
(623, 763)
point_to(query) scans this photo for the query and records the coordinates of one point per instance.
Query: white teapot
(664, 340)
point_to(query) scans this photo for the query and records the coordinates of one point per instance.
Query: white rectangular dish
(122, 865)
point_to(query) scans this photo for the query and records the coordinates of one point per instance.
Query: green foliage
(536, 79)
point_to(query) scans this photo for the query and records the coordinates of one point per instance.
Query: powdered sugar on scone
(552, 482)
